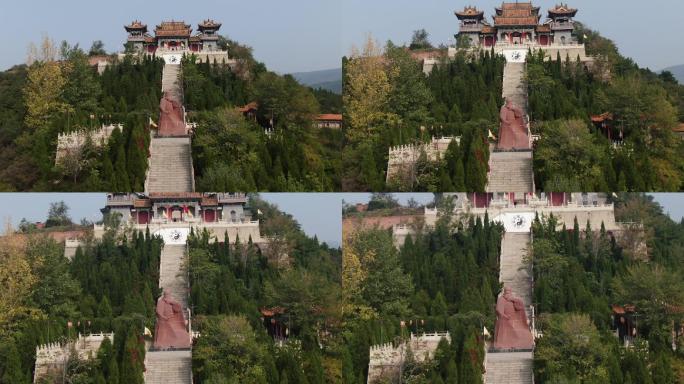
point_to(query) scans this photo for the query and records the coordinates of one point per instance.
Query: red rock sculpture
(512, 330)
(512, 131)
(170, 332)
(171, 121)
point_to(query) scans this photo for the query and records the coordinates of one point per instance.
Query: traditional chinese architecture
(173, 36)
(679, 130)
(177, 37)
(518, 24)
(276, 322)
(329, 120)
(624, 323)
(250, 110)
(604, 123)
(177, 213)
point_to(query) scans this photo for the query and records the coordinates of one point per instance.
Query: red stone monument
(171, 121)
(513, 131)
(170, 330)
(512, 330)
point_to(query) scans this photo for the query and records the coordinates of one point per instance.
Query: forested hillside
(389, 101)
(230, 285)
(439, 280)
(231, 152)
(642, 153)
(581, 272)
(60, 92)
(112, 285)
(109, 286)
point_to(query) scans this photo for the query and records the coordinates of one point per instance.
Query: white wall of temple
(551, 51)
(217, 230)
(566, 214)
(202, 56)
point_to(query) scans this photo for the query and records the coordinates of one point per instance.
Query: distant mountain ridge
(678, 72)
(330, 79)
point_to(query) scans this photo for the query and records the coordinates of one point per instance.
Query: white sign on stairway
(516, 222)
(172, 58)
(174, 236)
(515, 55)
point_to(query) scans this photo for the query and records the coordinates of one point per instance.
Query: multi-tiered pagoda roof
(561, 10)
(510, 14)
(173, 29)
(136, 26)
(209, 25)
(470, 12)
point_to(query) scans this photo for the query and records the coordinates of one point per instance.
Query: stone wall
(403, 158)
(386, 359)
(72, 142)
(51, 358)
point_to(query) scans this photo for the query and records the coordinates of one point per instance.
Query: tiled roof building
(173, 36)
(517, 24)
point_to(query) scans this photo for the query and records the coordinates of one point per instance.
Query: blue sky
(403, 198)
(289, 36)
(317, 213)
(673, 204)
(648, 32)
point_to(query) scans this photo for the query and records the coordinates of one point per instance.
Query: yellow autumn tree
(366, 92)
(45, 83)
(353, 276)
(17, 280)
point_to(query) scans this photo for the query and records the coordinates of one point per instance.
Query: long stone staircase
(170, 162)
(513, 271)
(170, 165)
(172, 273)
(512, 171)
(513, 367)
(171, 81)
(168, 367)
(171, 367)
(514, 84)
(509, 368)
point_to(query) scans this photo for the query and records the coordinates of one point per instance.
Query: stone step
(510, 172)
(171, 81)
(514, 86)
(509, 368)
(172, 273)
(170, 165)
(168, 367)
